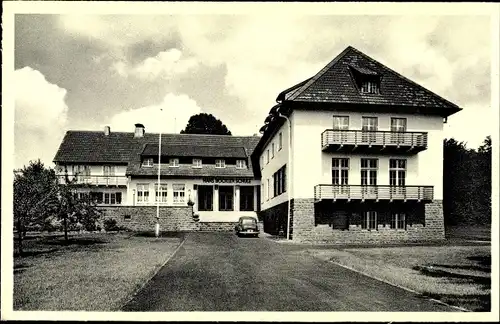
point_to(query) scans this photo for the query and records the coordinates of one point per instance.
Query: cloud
(169, 116)
(164, 65)
(40, 117)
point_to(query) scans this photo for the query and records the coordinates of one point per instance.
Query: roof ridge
(403, 77)
(131, 133)
(320, 73)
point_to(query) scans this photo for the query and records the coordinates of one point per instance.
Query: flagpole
(158, 192)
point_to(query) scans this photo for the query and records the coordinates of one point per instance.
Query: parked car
(247, 225)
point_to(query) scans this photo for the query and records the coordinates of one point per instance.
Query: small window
(161, 192)
(127, 217)
(370, 87)
(267, 156)
(173, 163)
(179, 193)
(142, 192)
(108, 170)
(196, 163)
(280, 141)
(220, 163)
(272, 150)
(398, 221)
(241, 164)
(147, 162)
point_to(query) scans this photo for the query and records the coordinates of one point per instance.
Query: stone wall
(143, 218)
(217, 226)
(427, 227)
(274, 219)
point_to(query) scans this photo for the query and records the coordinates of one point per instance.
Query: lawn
(93, 272)
(457, 275)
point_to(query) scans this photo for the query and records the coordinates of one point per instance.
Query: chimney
(139, 130)
(107, 130)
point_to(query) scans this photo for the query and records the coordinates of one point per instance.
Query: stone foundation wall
(274, 219)
(307, 229)
(143, 218)
(217, 226)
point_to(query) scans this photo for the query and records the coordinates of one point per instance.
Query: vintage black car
(247, 225)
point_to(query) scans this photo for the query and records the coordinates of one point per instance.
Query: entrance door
(226, 194)
(340, 127)
(205, 198)
(369, 169)
(246, 198)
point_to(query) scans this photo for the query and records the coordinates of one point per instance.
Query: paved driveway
(221, 272)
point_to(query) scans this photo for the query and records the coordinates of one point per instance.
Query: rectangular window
(398, 127)
(369, 127)
(173, 163)
(398, 221)
(369, 220)
(226, 194)
(397, 176)
(241, 164)
(97, 197)
(280, 141)
(179, 193)
(196, 163)
(82, 172)
(340, 122)
(340, 171)
(369, 87)
(112, 198)
(108, 170)
(268, 191)
(262, 162)
(220, 163)
(246, 198)
(148, 162)
(142, 193)
(272, 150)
(205, 198)
(262, 191)
(279, 178)
(161, 193)
(369, 169)
(267, 156)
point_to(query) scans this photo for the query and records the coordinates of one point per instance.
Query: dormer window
(367, 80)
(196, 163)
(148, 162)
(370, 87)
(241, 164)
(220, 163)
(173, 163)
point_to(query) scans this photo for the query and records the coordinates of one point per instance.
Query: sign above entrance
(226, 180)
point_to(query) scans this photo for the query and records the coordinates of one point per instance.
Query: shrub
(110, 225)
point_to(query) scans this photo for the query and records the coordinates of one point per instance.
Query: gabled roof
(195, 151)
(123, 148)
(335, 84)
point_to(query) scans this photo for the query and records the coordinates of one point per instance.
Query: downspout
(289, 177)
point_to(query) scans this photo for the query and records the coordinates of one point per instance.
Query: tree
(205, 124)
(75, 209)
(35, 197)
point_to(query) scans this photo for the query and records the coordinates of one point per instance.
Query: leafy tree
(35, 197)
(467, 183)
(74, 209)
(205, 124)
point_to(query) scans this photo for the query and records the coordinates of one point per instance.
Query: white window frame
(396, 220)
(179, 195)
(162, 192)
(111, 197)
(220, 163)
(370, 87)
(108, 170)
(148, 162)
(280, 141)
(144, 189)
(197, 163)
(241, 164)
(367, 218)
(173, 162)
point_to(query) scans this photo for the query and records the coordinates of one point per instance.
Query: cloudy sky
(85, 71)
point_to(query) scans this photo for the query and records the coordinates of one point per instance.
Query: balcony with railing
(373, 193)
(373, 141)
(92, 180)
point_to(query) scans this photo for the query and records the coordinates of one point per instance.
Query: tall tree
(205, 124)
(35, 197)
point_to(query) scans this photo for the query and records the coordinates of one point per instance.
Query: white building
(365, 160)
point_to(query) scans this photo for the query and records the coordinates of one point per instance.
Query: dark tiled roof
(195, 151)
(335, 84)
(184, 170)
(119, 147)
